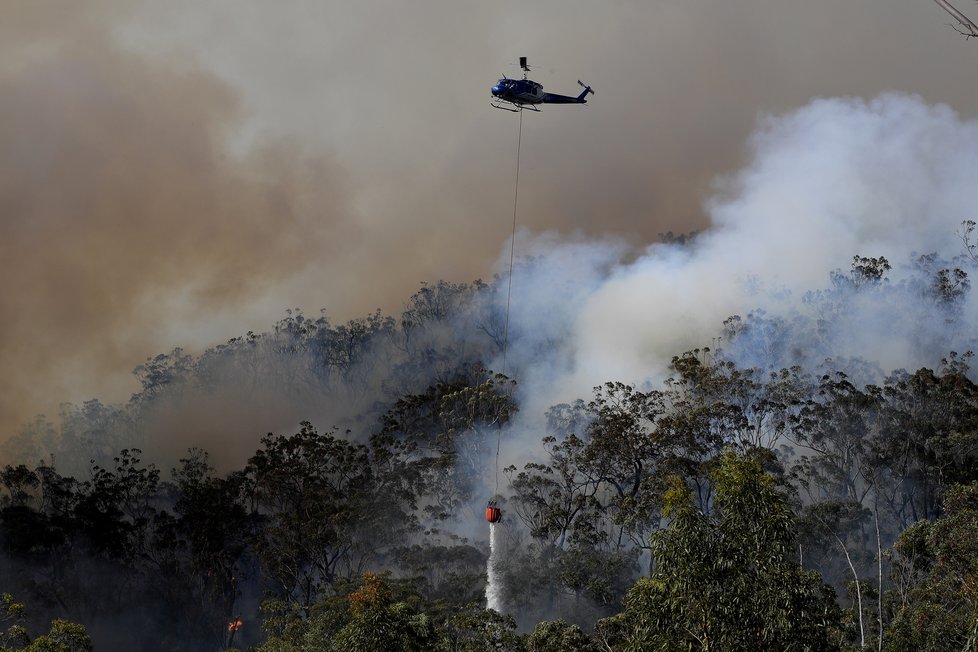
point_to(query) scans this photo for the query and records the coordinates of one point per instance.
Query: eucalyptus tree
(325, 509)
(727, 579)
(935, 594)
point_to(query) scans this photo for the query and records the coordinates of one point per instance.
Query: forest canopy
(763, 495)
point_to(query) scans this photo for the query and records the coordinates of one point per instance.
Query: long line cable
(509, 291)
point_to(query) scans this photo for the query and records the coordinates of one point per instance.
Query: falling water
(494, 598)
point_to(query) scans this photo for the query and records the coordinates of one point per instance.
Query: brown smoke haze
(122, 209)
(176, 174)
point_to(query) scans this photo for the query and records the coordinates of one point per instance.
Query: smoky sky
(176, 174)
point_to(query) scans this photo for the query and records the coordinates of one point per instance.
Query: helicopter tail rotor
(587, 89)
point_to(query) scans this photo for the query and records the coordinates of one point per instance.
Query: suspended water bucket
(493, 513)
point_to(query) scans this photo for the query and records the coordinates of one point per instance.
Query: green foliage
(63, 636)
(559, 636)
(937, 565)
(12, 615)
(450, 573)
(724, 580)
(383, 628)
(283, 625)
(473, 629)
(377, 614)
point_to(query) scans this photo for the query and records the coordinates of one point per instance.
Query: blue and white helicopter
(518, 94)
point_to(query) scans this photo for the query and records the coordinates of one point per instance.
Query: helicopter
(518, 94)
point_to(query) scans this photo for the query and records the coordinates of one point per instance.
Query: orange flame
(235, 625)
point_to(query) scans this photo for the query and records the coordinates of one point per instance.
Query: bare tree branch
(966, 26)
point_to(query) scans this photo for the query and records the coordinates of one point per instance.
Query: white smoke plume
(892, 177)
(838, 178)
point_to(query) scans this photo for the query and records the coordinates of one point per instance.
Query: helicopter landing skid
(514, 108)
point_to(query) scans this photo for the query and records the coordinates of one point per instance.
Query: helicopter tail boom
(553, 98)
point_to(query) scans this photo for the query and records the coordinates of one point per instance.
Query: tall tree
(325, 514)
(938, 564)
(726, 580)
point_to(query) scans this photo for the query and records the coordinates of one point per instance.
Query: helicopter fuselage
(518, 91)
(526, 93)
